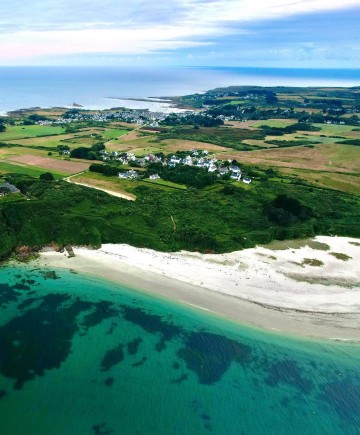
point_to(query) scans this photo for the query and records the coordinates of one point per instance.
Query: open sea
(84, 356)
(106, 87)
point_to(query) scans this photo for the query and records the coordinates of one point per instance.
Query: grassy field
(323, 157)
(224, 136)
(281, 123)
(43, 141)
(99, 181)
(173, 145)
(335, 129)
(290, 97)
(123, 185)
(10, 168)
(236, 102)
(344, 182)
(114, 133)
(19, 131)
(165, 183)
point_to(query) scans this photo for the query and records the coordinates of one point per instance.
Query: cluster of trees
(285, 210)
(108, 170)
(92, 153)
(47, 176)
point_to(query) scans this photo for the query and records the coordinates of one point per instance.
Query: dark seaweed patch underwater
(79, 356)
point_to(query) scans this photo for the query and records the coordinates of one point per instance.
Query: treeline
(212, 98)
(2, 126)
(293, 128)
(199, 120)
(252, 113)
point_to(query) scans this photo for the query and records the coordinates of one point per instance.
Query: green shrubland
(216, 218)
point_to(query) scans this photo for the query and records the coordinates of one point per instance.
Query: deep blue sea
(23, 87)
(84, 356)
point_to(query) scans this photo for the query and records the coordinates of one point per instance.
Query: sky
(238, 33)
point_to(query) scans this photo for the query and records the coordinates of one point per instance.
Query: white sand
(261, 286)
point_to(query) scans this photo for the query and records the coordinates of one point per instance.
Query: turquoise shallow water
(83, 356)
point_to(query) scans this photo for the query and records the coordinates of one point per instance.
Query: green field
(165, 183)
(113, 133)
(236, 102)
(335, 129)
(19, 131)
(9, 168)
(42, 141)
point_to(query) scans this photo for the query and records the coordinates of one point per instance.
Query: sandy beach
(306, 288)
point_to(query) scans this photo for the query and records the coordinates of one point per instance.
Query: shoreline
(256, 287)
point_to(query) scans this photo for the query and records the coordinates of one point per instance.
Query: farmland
(19, 131)
(12, 168)
(299, 142)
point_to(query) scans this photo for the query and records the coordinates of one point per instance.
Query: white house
(236, 177)
(175, 160)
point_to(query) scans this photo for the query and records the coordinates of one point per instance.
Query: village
(131, 116)
(226, 169)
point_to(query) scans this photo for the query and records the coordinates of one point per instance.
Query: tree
(47, 176)
(92, 155)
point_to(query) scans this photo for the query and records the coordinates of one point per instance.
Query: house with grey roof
(8, 188)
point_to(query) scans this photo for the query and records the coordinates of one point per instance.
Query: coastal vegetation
(208, 219)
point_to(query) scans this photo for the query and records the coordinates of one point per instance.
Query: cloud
(38, 15)
(129, 41)
(37, 30)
